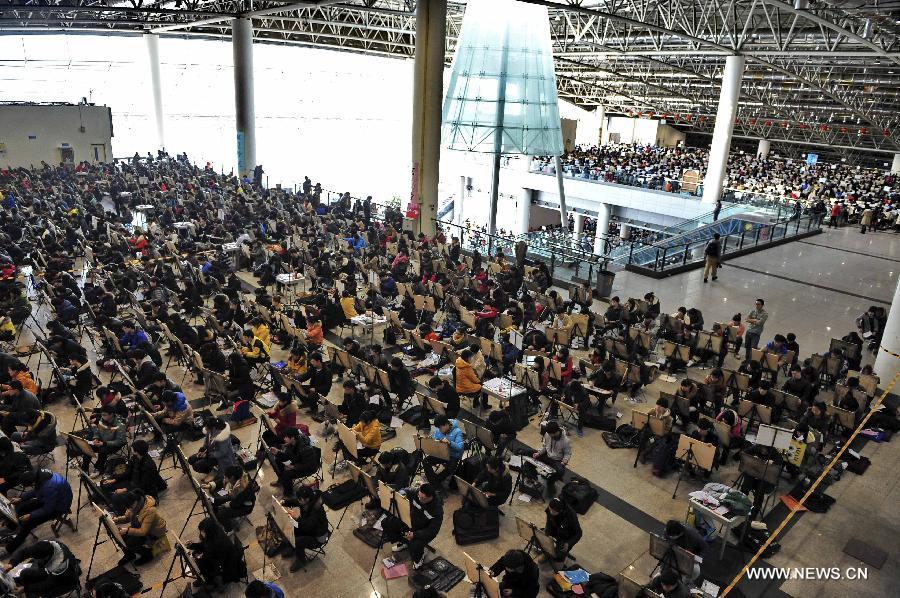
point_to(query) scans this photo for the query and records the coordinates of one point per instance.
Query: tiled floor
(616, 534)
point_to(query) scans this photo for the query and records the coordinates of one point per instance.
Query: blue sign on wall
(240, 151)
(812, 158)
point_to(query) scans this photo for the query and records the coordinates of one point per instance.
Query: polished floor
(814, 289)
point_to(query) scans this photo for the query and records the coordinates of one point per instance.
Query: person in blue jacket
(510, 353)
(445, 430)
(356, 242)
(50, 498)
(132, 338)
(262, 589)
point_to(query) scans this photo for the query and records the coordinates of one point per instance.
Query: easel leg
(94, 551)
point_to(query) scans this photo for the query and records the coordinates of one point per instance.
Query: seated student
(576, 396)
(82, 380)
(689, 390)
(661, 409)
(477, 361)
(144, 369)
(296, 364)
(353, 403)
(798, 386)
(556, 450)
(53, 569)
(106, 437)
(502, 430)
(316, 382)
(688, 538)
(401, 382)
(238, 499)
(391, 469)
(494, 481)
(668, 584)
(468, 383)
(13, 465)
(142, 527)
(254, 349)
(311, 528)
(521, 575)
(262, 589)
(220, 559)
(18, 402)
(566, 367)
(510, 353)
(217, 453)
(176, 413)
(613, 315)
(285, 415)
(295, 458)
(446, 394)
(563, 527)
(447, 431)
(605, 378)
(485, 318)
(715, 390)
(315, 334)
(109, 396)
(140, 474)
(159, 384)
(132, 338)
(368, 434)
(427, 516)
(240, 381)
(39, 435)
(706, 432)
(50, 497)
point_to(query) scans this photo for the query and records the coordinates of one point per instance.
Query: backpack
(579, 495)
(663, 456)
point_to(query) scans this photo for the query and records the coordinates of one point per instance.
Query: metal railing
(671, 257)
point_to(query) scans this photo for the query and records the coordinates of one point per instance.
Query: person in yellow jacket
(7, 329)
(368, 434)
(348, 304)
(254, 349)
(467, 381)
(261, 331)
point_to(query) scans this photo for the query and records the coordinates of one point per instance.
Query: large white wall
(31, 134)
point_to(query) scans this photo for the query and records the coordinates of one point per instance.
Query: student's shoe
(398, 547)
(418, 564)
(715, 278)
(705, 281)
(580, 432)
(223, 406)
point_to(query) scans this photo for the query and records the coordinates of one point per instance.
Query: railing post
(552, 264)
(630, 250)
(684, 257)
(798, 227)
(656, 260)
(741, 244)
(724, 244)
(758, 232)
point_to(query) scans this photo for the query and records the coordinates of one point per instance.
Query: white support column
(579, 222)
(563, 211)
(428, 92)
(624, 231)
(721, 140)
(152, 40)
(886, 365)
(763, 149)
(523, 210)
(602, 227)
(895, 166)
(244, 109)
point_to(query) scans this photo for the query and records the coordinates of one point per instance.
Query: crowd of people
(207, 288)
(774, 177)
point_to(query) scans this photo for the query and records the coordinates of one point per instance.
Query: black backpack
(579, 495)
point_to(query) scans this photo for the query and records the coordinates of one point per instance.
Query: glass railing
(661, 257)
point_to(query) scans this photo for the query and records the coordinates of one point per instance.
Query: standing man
(717, 210)
(713, 253)
(756, 319)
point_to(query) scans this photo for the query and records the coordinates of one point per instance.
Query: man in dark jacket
(54, 569)
(311, 529)
(50, 498)
(494, 481)
(13, 464)
(562, 525)
(316, 381)
(713, 254)
(426, 514)
(521, 576)
(294, 459)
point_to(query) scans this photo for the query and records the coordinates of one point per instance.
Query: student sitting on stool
(50, 498)
(562, 525)
(494, 481)
(54, 569)
(447, 431)
(556, 450)
(144, 528)
(427, 515)
(521, 576)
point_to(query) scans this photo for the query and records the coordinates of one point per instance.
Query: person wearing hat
(106, 437)
(53, 568)
(13, 464)
(668, 584)
(521, 575)
(50, 497)
(562, 525)
(144, 528)
(217, 452)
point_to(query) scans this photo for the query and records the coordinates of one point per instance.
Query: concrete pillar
(244, 109)
(763, 149)
(721, 140)
(624, 231)
(579, 222)
(563, 211)
(602, 227)
(895, 166)
(428, 92)
(523, 209)
(886, 364)
(152, 40)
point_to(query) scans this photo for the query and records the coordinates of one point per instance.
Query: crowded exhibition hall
(576, 299)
